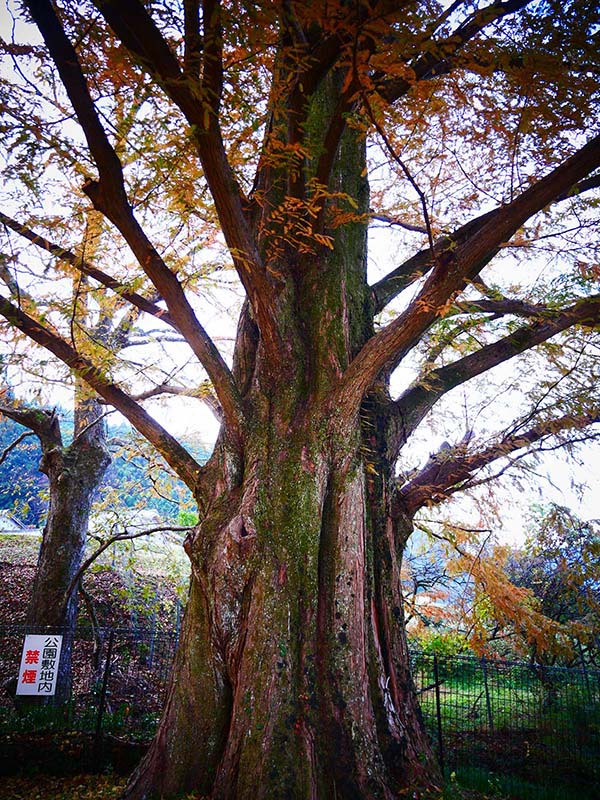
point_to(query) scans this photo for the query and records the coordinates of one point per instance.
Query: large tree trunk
(292, 678)
(74, 475)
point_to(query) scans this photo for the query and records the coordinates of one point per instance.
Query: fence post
(438, 712)
(102, 702)
(488, 704)
(150, 661)
(585, 672)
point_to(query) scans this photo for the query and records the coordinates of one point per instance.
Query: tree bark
(292, 678)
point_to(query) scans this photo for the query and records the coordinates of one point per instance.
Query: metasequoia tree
(265, 121)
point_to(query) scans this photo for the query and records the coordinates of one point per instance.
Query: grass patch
(491, 784)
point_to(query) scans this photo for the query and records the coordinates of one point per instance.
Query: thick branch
(450, 275)
(42, 422)
(192, 57)
(109, 197)
(181, 312)
(412, 406)
(198, 102)
(174, 454)
(363, 43)
(420, 264)
(65, 58)
(438, 60)
(212, 79)
(449, 470)
(392, 284)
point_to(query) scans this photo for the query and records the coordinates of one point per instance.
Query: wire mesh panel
(120, 689)
(137, 683)
(538, 724)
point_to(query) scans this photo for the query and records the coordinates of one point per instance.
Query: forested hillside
(132, 479)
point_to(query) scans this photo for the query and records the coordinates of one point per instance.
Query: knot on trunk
(51, 460)
(241, 529)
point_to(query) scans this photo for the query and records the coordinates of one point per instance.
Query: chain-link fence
(539, 725)
(535, 725)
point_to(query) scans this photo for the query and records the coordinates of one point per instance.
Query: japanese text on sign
(39, 665)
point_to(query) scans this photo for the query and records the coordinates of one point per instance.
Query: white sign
(39, 664)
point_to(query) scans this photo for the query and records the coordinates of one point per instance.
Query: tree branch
(42, 422)
(391, 285)
(88, 269)
(64, 56)
(394, 222)
(109, 197)
(455, 266)
(420, 264)
(501, 307)
(119, 537)
(203, 393)
(7, 450)
(407, 174)
(329, 49)
(212, 78)
(192, 40)
(449, 470)
(199, 102)
(174, 454)
(438, 58)
(412, 406)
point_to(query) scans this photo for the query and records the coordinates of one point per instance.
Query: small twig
(203, 393)
(119, 537)
(396, 222)
(14, 444)
(404, 169)
(429, 687)
(89, 604)
(93, 422)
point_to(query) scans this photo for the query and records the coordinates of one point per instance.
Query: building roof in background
(8, 524)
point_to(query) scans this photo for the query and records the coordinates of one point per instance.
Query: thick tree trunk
(74, 475)
(292, 678)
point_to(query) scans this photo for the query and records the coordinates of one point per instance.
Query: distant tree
(219, 137)
(74, 469)
(558, 564)
(74, 473)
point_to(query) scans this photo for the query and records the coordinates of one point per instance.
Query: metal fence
(119, 684)
(538, 725)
